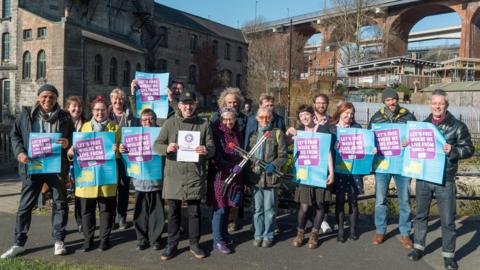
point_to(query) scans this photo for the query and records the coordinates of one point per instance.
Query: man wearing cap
(184, 181)
(45, 117)
(392, 113)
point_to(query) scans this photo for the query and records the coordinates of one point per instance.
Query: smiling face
(391, 103)
(438, 105)
(177, 90)
(321, 105)
(346, 118)
(147, 120)
(306, 119)
(47, 101)
(231, 101)
(264, 117)
(117, 101)
(268, 104)
(75, 110)
(99, 111)
(187, 108)
(228, 119)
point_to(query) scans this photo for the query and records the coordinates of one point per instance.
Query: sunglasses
(264, 117)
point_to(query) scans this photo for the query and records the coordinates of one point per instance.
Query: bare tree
(207, 62)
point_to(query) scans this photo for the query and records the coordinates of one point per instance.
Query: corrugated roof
(178, 17)
(454, 87)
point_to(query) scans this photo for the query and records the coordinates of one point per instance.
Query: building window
(162, 65)
(6, 92)
(6, 8)
(113, 71)
(138, 67)
(239, 54)
(227, 51)
(98, 69)
(41, 32)
(27, 34)
(41, 65)
(163, 37)
(27, 65)
(239, 81)
(226, 77)
(192, 74)
(5, 46)
(126, 73)
(330, 61)
(193, 43)
(215, 48)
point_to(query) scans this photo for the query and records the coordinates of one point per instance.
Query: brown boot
(313, 240)
(298, 240)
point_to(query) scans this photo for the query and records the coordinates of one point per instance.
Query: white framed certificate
(187, 143)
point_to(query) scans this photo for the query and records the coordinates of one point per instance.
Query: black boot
(353, 227)
(197, 251)
(104, 245)
(87, 245)
(415, 255)
(169, 252)
(340, 234)
(450, 263)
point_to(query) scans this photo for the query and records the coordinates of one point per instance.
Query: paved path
(330, 255)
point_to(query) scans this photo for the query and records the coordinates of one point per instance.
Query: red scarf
(437, 122)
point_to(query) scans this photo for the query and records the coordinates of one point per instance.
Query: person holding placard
(346, 184)
(103, 195)
(263, 181)
(184, 180)
(392, 113)
(74, 106)
(310, 196)
(148, 217)
(226, 131)
(45, 117)
(458, 146)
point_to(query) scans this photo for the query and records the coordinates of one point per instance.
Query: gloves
(269, 168)
(236, 169)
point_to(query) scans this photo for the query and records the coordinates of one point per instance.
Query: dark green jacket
(401, 115)
(184, 180)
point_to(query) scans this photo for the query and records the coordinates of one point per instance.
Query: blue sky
(235, 13)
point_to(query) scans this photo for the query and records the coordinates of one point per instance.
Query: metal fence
(7, 161)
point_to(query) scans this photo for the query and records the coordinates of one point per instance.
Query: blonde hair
(231, 91)
(118, 92)
(265, 96)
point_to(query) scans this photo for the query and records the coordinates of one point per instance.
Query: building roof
(454, 87)
(170, 15)
(392, 61)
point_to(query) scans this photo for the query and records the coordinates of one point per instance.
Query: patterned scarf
(261, 131)
(48, 121)
(99, 126)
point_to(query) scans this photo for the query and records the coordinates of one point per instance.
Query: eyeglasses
(264, 117)
(147, 119)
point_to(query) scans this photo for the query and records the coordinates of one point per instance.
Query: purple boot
(222, 248)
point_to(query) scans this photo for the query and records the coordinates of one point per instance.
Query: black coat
(457, 135)
(20, 137)
(401, 115)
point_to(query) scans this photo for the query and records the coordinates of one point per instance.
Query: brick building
(89, 47)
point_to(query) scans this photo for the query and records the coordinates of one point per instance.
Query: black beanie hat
(47, 87)
(389, 93)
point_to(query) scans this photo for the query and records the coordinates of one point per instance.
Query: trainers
(122, 224)
(13, 252)
(450, 263)
(257, 242)
(415, 255)
(326, 227)
(222, 248)
(59, 248)
(197, 251)
(267, 243)
(168, 253)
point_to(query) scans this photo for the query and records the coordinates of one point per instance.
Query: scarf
(261, 131)
(391, 114)
(48, 121)
(437, 122)
(99, 126)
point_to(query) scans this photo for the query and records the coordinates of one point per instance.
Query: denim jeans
(264, 214)
(382, 180)
(31, 188)
(446, 203)
(220, 224)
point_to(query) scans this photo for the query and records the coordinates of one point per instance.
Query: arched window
(193, 43)
(227, 51)
(27, 65)
(98, 69)
(163, 37)
(138, 67)
(239, 54)
(239, 81)
(215, 48)
(126, 73)
(41, 65)
(113, 71)
(192, 74)
(6, 8)
(162, 65)
(5, 46)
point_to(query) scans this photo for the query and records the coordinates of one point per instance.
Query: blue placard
(44, 155)
(311, 151)
(388, 140)
(424, 158)
(152, 93)
(94, 162)
(354, 151)
(141, 162)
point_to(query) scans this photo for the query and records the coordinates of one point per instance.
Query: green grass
(30, 264)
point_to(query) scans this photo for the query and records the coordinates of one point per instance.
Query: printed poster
(424, 157)
(140, 160)
(94, 159)
(388, 140)
(311, 151)
(152, 93)
(354, 154)
(44, 155)
(187, 143)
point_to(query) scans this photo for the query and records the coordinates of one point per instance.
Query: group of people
(188, 183)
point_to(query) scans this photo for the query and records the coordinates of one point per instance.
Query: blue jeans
(446, 203)
(382, 180)
(264, 215)
(220, 224)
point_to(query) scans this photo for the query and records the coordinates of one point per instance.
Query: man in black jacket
(392, 113)
(458, 146)
(45, 117)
